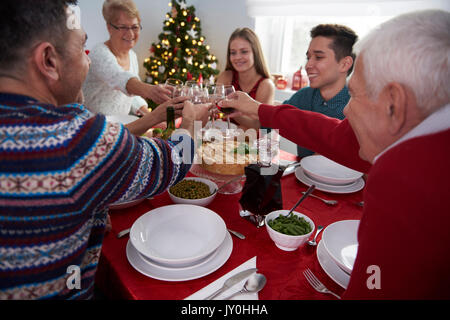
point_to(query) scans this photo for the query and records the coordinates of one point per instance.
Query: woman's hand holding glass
(160, 93)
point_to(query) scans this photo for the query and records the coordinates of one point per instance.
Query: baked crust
(221, 158)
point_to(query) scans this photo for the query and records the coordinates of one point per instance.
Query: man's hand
(243, 104)
(177, 103)
(191, 113)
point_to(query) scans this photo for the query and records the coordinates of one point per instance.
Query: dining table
(117, 279)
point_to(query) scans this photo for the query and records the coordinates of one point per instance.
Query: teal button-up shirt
(310, 99)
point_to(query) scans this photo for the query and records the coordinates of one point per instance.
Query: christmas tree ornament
(183, 5)
(174, 12)
(192, 33)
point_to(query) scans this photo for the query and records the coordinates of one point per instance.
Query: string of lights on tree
(181, 52)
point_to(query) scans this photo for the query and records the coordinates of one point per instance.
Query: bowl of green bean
(289, 231)
(193, 190)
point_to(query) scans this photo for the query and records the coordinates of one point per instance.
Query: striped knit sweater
(60, 168)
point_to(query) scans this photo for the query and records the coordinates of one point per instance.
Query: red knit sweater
(405, 227)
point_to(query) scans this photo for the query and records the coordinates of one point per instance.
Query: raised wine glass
(192, 83)
(212, 98)
(199, 95)
(229, 89)
(171, 84)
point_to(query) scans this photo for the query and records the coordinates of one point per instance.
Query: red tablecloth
(117, 279)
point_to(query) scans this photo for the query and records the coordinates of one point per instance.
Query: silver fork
(329, 202)
(316, 284)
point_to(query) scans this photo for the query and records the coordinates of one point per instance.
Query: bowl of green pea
(193, 190)
(289, 231)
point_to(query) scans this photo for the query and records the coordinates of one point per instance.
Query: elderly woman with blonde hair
(112, 86)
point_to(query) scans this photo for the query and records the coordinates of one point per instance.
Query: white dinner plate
(223, 253)
(178, 235)
(121, 118)
(341, 242)
(196, 264)
(330, 267)
(350, 188)
(126, 204)
(327, 171)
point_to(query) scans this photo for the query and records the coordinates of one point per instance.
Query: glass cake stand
(220, 179)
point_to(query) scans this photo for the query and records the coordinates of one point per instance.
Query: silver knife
(232, 281)
(290, 168)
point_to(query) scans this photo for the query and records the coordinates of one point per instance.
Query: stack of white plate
(328, 176)
(178, 243)
(337, 250)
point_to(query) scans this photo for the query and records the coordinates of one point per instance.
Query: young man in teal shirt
(330, 61)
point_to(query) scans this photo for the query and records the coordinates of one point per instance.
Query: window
(283, 26)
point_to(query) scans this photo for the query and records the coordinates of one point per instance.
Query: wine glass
(199, 95)
(171, 84)
(178, 91)
(212, 98)
(228, 90)
(192, 83)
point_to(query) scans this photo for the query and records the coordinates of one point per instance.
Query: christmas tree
(181, 52)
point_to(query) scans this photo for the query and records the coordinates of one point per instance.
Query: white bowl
(341, 242)
(178, 235)
(327, 171)
(198, 202)
(284, 241)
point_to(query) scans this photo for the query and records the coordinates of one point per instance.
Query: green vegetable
(190, 189)
(242, 149)
(291, 225)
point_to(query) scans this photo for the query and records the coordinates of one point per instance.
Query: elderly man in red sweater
(398, 126)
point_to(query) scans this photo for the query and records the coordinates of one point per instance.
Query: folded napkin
(216, 285)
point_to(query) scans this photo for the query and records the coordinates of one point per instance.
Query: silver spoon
(305, 194)
(313, 242)
(254, 284)
(329, 202)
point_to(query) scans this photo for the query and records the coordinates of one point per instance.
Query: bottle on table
(170, 123)
(297, 80)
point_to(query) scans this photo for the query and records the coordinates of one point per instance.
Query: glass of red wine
(223, 92)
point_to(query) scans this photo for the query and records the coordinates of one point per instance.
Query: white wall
(218, 20)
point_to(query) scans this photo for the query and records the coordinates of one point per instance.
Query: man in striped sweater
(60, 165)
